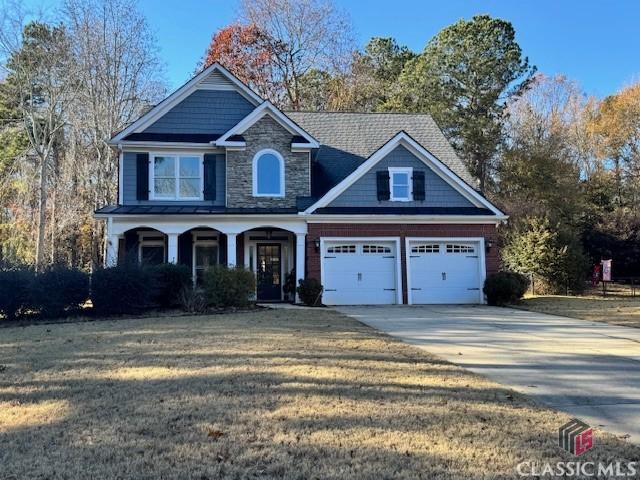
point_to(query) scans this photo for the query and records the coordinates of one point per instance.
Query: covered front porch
(273, 250)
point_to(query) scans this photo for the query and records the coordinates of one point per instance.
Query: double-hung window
(176, 177)
(400, 184)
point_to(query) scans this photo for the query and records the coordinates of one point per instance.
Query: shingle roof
(350, 138)
(173, 137)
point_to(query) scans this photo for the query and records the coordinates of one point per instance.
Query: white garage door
(359, 273)
(444, 272)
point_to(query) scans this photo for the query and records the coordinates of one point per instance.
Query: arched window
(268, 174)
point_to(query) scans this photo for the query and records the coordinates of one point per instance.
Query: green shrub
(310, 292)
(229, 287)
(59, 290)
(122, 289)
(169, 280)
(192, 300)
(551, 253)
(505, 287)
(15, 284)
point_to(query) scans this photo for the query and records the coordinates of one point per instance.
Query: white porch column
(111, 258)
(232, 254)
(300, 259)
(172, 247)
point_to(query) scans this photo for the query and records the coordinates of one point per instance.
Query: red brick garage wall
(317, 230)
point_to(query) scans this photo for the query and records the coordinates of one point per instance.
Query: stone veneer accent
(266, 133)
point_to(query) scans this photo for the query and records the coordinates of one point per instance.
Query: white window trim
(151, 239)
(255, 173)
(176, 155)
(409, 172)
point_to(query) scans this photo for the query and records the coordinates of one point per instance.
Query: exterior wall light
(489, 244)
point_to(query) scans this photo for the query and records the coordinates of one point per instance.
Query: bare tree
(41, 77)
(120, 76)
(302, 35)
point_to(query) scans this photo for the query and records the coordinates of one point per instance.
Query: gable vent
(216, 81)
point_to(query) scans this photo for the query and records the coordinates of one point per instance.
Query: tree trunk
(42, 213)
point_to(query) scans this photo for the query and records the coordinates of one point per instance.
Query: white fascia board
(230, 145)
(267, 108)
(180, 94)
(300, 147)
(420, 152)
(407, 219)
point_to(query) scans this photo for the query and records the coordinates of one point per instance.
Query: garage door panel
(359, 273)
(444, 272)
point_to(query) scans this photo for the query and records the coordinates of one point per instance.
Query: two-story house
(376, 206)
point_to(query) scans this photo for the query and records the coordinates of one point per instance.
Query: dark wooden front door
(268, 272)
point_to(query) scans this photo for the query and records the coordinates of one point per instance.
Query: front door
(269, 281)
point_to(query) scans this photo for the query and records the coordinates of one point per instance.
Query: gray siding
(363, 193)
(129, 183)
(204, 111)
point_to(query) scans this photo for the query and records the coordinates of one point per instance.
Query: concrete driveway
(587, 369)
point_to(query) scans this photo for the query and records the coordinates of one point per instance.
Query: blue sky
(596, 43)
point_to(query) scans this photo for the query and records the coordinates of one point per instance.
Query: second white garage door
(359, 272)
(444, 272)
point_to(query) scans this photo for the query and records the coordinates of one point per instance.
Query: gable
(204, 112)
(427, 158)
(301, 139)
(213, 99)
(363, 192)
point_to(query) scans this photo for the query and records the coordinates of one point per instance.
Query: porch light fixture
(316, 243)
(489, 244)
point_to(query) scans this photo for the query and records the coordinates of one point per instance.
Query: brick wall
(317, 230)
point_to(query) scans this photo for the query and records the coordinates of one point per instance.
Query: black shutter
(131, 247)
(142, 176)
(185, 249)
(419, 193)
(382, 178)
(209, 176)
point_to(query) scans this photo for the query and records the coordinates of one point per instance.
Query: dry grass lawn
(615, 310)
(271, 394)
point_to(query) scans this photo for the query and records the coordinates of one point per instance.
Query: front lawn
(617, 310)
(294, 394)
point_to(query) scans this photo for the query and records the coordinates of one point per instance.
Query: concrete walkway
(587, 369)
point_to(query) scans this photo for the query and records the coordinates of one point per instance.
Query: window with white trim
(176, 177)
(205, 254)
(342, 249)
(268, 174)
(426, 248)
(375, 249)
(151, 249)
(400, 184)
(453, 248)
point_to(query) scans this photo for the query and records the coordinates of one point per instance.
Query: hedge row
(55, 292)
(60, 291)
